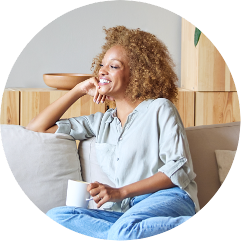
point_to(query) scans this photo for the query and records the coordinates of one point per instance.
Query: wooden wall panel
(110, 104)
(10, 107)
(189, 57)
(88, 106)
(73, 111)
(216, 108)
(203, 68)
(185, 107)
(33, 101)
(19, 106)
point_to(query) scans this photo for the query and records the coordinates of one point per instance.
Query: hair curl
(152, 72)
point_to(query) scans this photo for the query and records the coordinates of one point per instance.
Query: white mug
(77, 194)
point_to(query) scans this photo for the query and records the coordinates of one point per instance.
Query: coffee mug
(77, 194)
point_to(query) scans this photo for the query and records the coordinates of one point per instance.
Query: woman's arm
(149, 185)
(109, 194)
(45, 121)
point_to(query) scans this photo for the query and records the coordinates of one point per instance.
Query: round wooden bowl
(64, 81)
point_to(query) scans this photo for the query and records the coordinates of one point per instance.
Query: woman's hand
(103, 193)
(91, 87)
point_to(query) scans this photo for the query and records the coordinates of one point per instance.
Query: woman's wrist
(123, 192)
(80, 90)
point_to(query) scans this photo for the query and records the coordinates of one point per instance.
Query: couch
(42, 163)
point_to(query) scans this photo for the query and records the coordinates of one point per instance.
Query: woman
(141, 145)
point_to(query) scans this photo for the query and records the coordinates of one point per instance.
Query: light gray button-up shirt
(152, 140)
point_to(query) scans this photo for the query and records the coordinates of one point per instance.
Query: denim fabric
(149, 215)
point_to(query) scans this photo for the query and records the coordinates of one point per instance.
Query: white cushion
(224, 160)
(42, 163)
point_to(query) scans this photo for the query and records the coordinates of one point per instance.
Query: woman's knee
(124, 229)
(60, 214)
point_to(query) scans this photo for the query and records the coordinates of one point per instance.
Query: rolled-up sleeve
(174, 151)
(82, 127)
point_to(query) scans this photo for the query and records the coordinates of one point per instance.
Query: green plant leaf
(196, 36)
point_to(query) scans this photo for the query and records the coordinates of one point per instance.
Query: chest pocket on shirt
(105, 154)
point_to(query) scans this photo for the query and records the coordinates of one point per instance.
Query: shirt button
(117, 159)
(121, 139)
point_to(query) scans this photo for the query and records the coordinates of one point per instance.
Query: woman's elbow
(52, 129)
(28, 127)
(32, 127)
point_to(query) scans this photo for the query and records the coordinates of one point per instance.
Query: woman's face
(114, 73)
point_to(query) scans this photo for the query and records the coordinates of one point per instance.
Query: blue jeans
(149, 214)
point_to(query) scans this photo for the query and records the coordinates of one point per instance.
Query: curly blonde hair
(152, 72)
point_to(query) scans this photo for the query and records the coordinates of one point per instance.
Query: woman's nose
(103, 71)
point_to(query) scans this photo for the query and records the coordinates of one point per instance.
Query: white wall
(68, 44)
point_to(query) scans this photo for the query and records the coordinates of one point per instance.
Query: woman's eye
(112, 66)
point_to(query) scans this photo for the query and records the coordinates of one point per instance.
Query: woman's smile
(104, 81)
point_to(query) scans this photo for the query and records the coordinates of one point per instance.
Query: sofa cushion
(224, 159)
(42, 163)
(203, 141)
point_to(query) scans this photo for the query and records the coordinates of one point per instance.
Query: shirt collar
(113, 113)
(140, 108)
(111, 116)
(143, 105)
